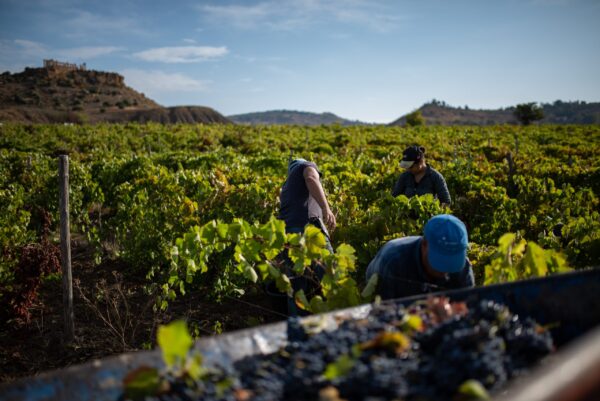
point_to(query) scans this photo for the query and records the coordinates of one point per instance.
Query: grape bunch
(424, 352)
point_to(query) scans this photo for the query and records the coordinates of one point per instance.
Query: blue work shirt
(401, 273)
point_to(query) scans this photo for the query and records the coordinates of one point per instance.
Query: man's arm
(311, 177)
(441, 189)
(383, 264)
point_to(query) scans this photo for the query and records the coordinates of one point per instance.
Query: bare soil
(113, 314)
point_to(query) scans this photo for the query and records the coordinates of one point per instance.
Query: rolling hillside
(60, 92)
(291, 117)
(68, 93)
(439, 113)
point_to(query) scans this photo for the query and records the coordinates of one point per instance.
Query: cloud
(29, 50)
(85, 23)
(158, 82)
(182, 54)
(28, 47)
(298, 14)
(17, 54)
(241, 16)
(377, 21)
(86, 53)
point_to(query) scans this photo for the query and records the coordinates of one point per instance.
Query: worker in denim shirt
(433, 262)
(419, 178)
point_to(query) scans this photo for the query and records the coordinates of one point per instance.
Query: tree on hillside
(527, 113)
(415, 119)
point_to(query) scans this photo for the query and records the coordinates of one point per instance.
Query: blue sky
(360, 59)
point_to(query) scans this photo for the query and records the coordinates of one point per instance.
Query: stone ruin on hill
(59, 65)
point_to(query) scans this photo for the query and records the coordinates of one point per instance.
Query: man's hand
(329, 219)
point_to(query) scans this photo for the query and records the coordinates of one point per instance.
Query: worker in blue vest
(433, 262)
(303, 199)
(302, 202)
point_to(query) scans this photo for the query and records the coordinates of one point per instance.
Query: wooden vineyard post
(512, 169)
(65, 248)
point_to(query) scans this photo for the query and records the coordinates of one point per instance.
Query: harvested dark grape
(424, 352)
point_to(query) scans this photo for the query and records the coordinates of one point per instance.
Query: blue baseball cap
(447, 243)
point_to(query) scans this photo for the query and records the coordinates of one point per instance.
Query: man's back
(401, 274)
(398, 264)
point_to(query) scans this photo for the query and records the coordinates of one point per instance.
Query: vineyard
(189, 210)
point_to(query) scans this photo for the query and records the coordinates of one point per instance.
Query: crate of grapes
(529, 340)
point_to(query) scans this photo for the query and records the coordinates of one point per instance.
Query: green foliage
(415, 119)
(517, 259)
(13, 229)
(28, 191)
(151, 209)
(175, 343)
(386, 218)
(138, 188)
(257, 255)
(527, 113)
(142, 382)
(473, 390)
(340, 367)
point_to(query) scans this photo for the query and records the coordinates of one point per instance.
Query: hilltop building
(59, 65)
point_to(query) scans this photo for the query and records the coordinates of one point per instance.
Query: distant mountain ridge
(62, 92)
(435, 113)
(559, 112)
(291, 117)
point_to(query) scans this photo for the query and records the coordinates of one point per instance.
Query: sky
(366, 60)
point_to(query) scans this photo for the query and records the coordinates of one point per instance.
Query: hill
(291, 117)
(439, 113)
(61, 92)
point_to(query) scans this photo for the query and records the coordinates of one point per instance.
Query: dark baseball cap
(411, 155)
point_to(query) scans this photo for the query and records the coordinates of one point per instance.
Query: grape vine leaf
(174, 341)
